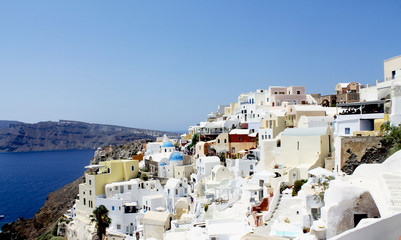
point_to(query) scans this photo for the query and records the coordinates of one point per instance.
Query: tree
(195, 140)
(100, 216)
(392, 137)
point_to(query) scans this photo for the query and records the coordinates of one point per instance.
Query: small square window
(347, 131)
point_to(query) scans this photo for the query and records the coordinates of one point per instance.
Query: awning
(94, 166)
(321, 172)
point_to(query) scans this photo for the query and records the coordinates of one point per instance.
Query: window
(298, 92)
(269, 136)
(90, 182)
(347, 130)
(225, 140)
(267, 99)
(132, 168)
(233, 150)
(251, 167)
(263, 137)
(129, 187)
(112, 208)
(297, 145)
(239, 139)
(90, 192)
(84, 201)
(118, 226)
(176, 192)
(218, 140)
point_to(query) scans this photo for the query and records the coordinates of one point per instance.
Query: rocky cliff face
(6, 124)
(58, 202)
(63, 135)
(362, 150)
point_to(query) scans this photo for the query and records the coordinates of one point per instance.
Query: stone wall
(361, 149)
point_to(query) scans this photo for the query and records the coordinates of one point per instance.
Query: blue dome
(168, 144)
(176, 157)
(163, 164)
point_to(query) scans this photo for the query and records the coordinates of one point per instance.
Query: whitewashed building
(125, 200)
(174, 190)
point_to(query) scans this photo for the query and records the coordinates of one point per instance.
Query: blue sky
(167, 64)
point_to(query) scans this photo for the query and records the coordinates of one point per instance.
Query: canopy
(321, 172)
(94, 166)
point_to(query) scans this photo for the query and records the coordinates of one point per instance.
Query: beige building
(222, 143)
(294, 113)
(155, 224)
(391, 66)
(95, 181)
(230, 110)
(201, 149)
(304, 149)
(181, 172)
(272, 124)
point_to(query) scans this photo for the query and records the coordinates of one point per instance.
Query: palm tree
(102, 220)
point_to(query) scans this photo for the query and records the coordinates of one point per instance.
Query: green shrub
(206, 207)
(144, 176)
(45, 236)
(297, 186)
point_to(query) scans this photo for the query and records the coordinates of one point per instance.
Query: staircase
(274, 215)
(393, 183)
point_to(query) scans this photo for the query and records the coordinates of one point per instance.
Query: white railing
(273, 203)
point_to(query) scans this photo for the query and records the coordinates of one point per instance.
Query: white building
(174, 190)
(241, 167)
(315, 121)
(204, 167)
(358, 117)
(304, 149)
(370, 195)
(125, 200)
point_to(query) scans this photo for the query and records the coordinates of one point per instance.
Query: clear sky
(167, 64)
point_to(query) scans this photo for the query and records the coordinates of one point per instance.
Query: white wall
(395, 116)
(385, 228)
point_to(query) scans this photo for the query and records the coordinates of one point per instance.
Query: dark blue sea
(27, 178)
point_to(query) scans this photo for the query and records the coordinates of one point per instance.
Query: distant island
(65, 135)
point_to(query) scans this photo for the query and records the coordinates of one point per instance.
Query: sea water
(27, 178)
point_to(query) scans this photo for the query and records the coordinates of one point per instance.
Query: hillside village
(278, 163)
